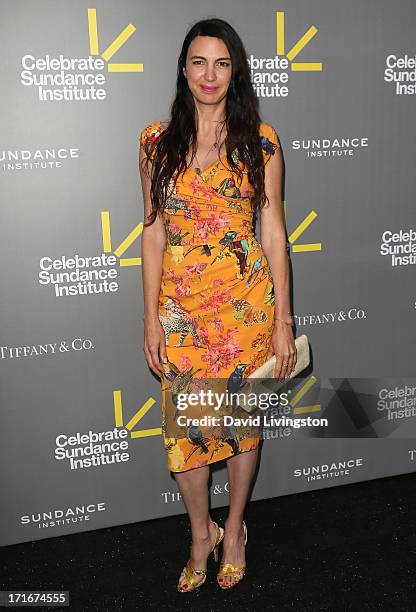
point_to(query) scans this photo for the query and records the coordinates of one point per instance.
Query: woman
(209, 287)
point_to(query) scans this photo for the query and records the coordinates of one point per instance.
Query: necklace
(198, 167)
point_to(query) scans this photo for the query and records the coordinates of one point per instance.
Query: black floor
(350, 547)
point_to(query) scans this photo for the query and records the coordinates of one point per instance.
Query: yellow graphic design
(119, 422)
(309, 383)
(113, 47)
(297, 48)
(302, 248)
(128, 241)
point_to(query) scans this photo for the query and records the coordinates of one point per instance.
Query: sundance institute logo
(80, 275)
(270, 75)
(69, 79)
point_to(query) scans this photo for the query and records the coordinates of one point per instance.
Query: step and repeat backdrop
(81, 445)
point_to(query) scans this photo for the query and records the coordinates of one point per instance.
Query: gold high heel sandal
(227, 569)
(190, 571)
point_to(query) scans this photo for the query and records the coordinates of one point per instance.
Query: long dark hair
(241, 116)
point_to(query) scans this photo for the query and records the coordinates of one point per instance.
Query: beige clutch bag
(302, 361)
(266, 371)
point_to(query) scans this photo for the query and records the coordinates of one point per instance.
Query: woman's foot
(200, 550)
(233, 554)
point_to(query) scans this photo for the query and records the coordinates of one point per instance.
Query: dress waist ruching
(212, 229)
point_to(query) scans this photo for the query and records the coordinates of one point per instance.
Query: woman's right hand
(154, 344)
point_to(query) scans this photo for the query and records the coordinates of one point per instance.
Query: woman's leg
(193, 486)
(240, 473)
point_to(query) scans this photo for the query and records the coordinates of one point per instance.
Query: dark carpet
(350, 547)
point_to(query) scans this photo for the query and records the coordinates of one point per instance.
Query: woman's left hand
(282, 345)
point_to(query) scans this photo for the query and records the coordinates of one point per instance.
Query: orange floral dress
(216, 302)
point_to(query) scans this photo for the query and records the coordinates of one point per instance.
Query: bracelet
(287, 323)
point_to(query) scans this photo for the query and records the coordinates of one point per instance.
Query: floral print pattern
(216, 301)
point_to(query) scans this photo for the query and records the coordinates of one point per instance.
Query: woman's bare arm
(273, 236)
(273, 241)
(153, 243)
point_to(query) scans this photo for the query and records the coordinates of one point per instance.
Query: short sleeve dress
(217, 301)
